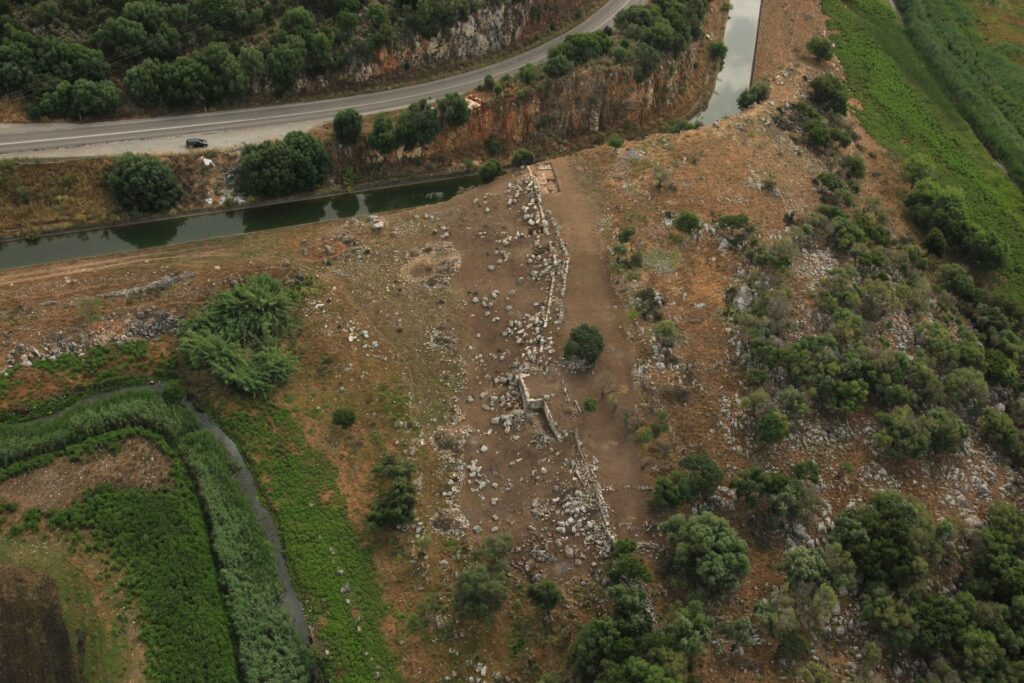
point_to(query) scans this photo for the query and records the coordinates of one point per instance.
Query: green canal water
(102, 241)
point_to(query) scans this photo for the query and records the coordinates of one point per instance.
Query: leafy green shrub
(143, 183)
(344, 417)
(523, 157)
(616, 141)
(718, 50)
(348, 126)
(770, 423)
(383, 137)
(82, 99)
(585, 344)
(590, 404)
(666, 333)
(829, 93)
(706, 551)
(453, 110)
(173, 392)
(544, 595)
(686, 221)
(698, 477)
(755, 94)
(490, 170)
(395, 502)
(649, 304)
(891, 538)
(479, 592)
(820, 47)
(777, 499)
(528, 74)
(853, 166)
(298, 163)
(236, 336)
(999, 430)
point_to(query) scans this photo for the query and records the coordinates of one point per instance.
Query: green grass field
(193, 557)
(321, 545)
(985, 84)
(907, 110)
(105, 653)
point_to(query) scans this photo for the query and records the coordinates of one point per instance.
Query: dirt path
(590, 298)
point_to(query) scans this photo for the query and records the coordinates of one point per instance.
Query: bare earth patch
(139, 464)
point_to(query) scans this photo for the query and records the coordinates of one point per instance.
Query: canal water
(102, 241)
(736, 73)
(740, 39)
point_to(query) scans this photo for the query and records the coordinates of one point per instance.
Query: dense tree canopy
(298, 163)
(706, 551)
(143, 183)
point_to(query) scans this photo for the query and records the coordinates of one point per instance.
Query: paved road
(234, 127)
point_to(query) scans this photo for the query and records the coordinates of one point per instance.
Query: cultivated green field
(191, 552)
(907, 110)
(986, 85)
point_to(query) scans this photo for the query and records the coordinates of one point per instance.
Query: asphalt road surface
(238, 126)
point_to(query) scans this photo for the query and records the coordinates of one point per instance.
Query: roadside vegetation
(84, 61)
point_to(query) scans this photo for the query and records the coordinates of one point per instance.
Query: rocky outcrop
(493, 28)
(556, 116)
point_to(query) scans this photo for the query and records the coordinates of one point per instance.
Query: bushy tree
(698, 477)
(706, 551)
(902, 434)
(585, 344)
(143, 183)
(776, 499)
(756, 93)
(544, 595)
(453, 110)
(383, 137)
(418, 125)
(820, 47)
(489, 170)
(686, 221)
(395, 502)
(829, 93)
(891, 538)
(298, 163)
(624, 566)
(348, 126)
(999, 430)
(82, 99)
(523, 157)
(998, 571)
(479, 593)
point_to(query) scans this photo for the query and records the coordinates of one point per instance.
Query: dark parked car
(196, 143)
